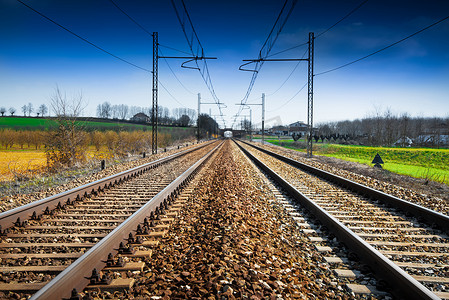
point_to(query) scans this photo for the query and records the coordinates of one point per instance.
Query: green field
(24, 123)
(426, 163)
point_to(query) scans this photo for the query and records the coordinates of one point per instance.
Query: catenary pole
(263, 117)
(310, 97)
(198, 120)
(154, 112)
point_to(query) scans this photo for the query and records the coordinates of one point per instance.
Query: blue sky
(412, 77)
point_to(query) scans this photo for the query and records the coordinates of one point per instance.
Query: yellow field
(22, 163)
(28, 162)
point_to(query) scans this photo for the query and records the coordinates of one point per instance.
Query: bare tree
(179, 112)
(12, 111)
(123, 111)
(104, 110)
(65, 144)
(2, 111)
(99, 111)
(119, 111)
(184, 120)
(135, 110)
(42, 110)
(114, 111)
(30, 109)
(97, 139)
(404, 129)
(389, 121)
(191, 113)
(107, 109)
(24, 110)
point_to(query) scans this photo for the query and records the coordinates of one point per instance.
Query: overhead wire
(168, 92)
(384, 48)
(291, 73)
(339, 21)
(305, 84)
(168, 65)
(266, 48)
(325, 31)
(197, 50)
(306, 43)
(103, 50)
(150, 34)
(171, 48)
(82, 38)
(143, 28)
(132, 19)
(288, 49)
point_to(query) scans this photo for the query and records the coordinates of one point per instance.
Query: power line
(173, 97)
(385, 48)
(323, 32)
(347, 15)
(288, 101)
(281, 19)
(269, 42)
(83, 39)
(134, 21)
(196, 48)
(291, 73)
(150, 34)
(188, 53)
(166, 61)
(288, 49)
(285, 81)
(257, 67)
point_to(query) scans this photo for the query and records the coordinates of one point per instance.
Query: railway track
(405, 244)
(216, 226)
(49, 237)
(414, 196)
(229, 240)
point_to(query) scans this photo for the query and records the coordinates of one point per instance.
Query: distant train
(228, 134)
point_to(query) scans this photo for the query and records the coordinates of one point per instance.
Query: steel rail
(8, 218)
(74, 275)
(403, 285)
(430, 216)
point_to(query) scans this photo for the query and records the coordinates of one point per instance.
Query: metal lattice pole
(310, 97)
(154, 113)
(198, 119)
(263, 118)
(250, 125)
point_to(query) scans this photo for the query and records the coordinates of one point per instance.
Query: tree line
(208, 126)
(384, 128)
(178, 116)
(121, 142)
(42, 110)
(67, 142)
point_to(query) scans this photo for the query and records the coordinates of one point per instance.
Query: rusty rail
(432, 217)
(74, 276)
(8, 218)
(402, 283)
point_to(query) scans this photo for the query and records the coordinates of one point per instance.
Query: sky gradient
(412, 77)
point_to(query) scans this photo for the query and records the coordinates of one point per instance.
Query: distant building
(297, 127)
(435, 136)
(404, 142)
(140, 118)
(294, 128)
(278, 130)
(432, 140)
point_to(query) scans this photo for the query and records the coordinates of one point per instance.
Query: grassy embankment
(27, 123)
(20, 159)
(432, 164)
